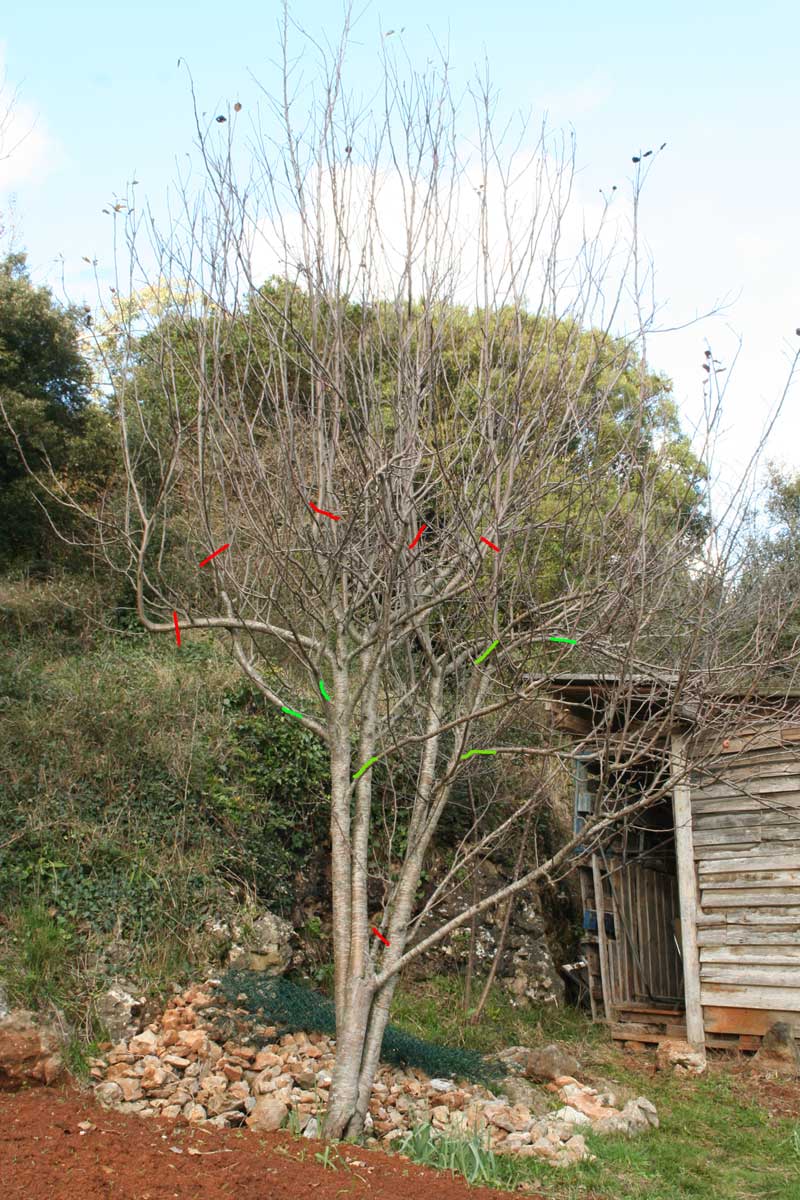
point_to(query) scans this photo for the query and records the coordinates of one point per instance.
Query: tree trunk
(351, 1038)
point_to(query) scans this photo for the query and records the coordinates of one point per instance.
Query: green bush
(270, 792)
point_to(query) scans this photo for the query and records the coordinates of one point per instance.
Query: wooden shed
(691, 912)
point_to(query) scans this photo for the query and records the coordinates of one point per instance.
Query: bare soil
(779, 1096)
(45, 1155)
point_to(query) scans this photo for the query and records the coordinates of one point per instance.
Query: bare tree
(422, 446)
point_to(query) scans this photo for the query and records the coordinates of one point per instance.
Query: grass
(470, 1157)
(434, 1010)
(712, 1144)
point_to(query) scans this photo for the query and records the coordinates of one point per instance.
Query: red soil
(44, 1155)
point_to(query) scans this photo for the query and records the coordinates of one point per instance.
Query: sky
(99, 99)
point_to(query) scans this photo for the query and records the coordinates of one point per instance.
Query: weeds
(467, 1156)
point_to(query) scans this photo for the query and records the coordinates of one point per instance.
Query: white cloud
(27, 150)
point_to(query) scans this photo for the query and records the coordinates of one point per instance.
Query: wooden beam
(687, 890)
(746, 1020)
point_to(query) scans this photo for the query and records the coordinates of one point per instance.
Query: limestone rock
(176, 1068)
(550, 1062)
(637, 1117)
(192, 1041)
(29, 1050)
(120, 1011)
(145, 1042)
(153, 1077)
(778, 1051)
(257, 942)
(680, 1056)
(571, 1116)
(109, 1093)
(267, 1115)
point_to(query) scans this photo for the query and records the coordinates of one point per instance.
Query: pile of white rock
(179, 1066)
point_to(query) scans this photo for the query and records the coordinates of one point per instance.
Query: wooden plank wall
(746, 826)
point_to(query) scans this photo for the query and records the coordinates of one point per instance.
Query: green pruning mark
(366, 765)
(292, 713)
(562, 639)
(470, 753)
(486, 653)
(322, 689)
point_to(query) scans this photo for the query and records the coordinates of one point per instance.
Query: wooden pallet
(653, 1032)
(641, 1022)
(655, 1025)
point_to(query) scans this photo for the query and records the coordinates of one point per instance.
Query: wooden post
(602, 944)
(687, 891)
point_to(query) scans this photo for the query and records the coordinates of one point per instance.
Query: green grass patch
(710, 1146)
(434, 1009)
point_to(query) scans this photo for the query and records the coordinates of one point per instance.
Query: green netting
(292, 1008)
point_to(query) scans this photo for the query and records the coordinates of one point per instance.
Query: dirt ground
(45, 1155)
(780, 1097)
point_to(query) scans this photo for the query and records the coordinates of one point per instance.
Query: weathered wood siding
(746, 824)
(641, 962)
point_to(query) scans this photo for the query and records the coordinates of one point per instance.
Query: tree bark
(351, 1038)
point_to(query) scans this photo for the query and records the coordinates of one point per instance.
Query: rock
(441, 1085)
(266, 1058)
(153, 1077)
(586, 1101)
(550, 1062)
(131, 1089)
(267, 1115)
(311, 1129)
(574, 1150)
(514, 1056)
(440, 1113)
(637, 1117)
(193, 1041)
(778, 1051)
(516, 1119)
(4, 1008)
(29, 1050)
(195, 1114)
(145, 1042)
(261, 943)
(515, 1141)
(526, 967)
(109, 1093)
(120, 1011)
(680, 1056)
(571, 1116)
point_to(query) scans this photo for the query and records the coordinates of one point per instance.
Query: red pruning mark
(488, 543)
(177, 628)
(422, 529)
(214, 555)
(322, 512)
(380, 935)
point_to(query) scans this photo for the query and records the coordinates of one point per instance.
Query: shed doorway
(631, 918)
